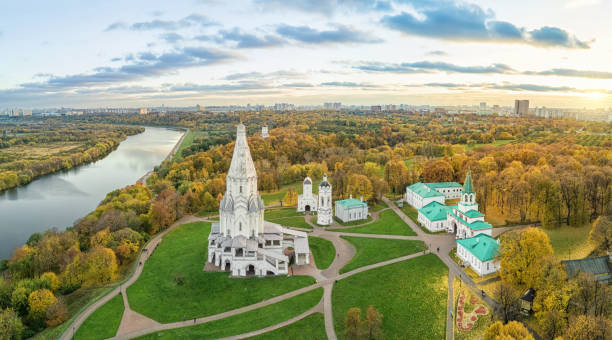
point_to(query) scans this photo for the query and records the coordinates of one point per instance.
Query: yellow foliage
(52, 279)
(39, 301)
(513, 330)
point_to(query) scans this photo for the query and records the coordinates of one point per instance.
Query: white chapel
(324, 209)
(242, 242)
(307, 201)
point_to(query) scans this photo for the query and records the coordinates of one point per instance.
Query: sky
(556, 53)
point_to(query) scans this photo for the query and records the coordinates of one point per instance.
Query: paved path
(134, 324)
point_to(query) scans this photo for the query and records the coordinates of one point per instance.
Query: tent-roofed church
(242, 242)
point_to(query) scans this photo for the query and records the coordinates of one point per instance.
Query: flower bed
(467, 320)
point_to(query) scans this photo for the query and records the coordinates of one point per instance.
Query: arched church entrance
(227, 266)
(307, 207)
(454, 228)
(250, 270)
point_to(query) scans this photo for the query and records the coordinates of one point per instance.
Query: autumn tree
(587, 327)
(57, 313)
(10, 325)
(360, 186)
(520, 255)
(508, 298)
(100, 267)
(513, 330)
(39, 301)
(438, 171)
(601, 234)
(291, 198)
(374, 323)
(395, 174)
(353, 323)
(51, 279)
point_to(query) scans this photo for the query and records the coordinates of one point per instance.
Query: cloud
(460, 21)
(565, 72)
(297, 85)
(143, 66)
(581, 3)
(340, 34)
(247, 40)
(429, 66)
(168, 25)
(514, 87)
(171, 37)
(437, 53)
(282, 74)
(347, 84)
(116, 26)
(553, 36)
(326, 7)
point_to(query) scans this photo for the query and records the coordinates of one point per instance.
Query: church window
(240, 226)
(241, 189)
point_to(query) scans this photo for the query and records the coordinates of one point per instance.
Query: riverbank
(143, 179)
(37, 152)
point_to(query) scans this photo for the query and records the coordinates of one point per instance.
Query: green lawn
(322, 250)
(411, 212)
(274, 213)
(187, 142)
(297, 221)
(104, 322)
(496, 143)
(378, 206)
(374, 250)
(311, 327)
(245, 322)
(388, 223)
(570, 242)
(347, 224)
(181, 257)
(411, 295)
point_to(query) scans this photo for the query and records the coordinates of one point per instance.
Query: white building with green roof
(464, 220)
(351, 209)
(420, 194)
(480, 253)
(434, 216)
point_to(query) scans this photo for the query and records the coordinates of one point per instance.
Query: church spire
(242, 164)
(467, 184)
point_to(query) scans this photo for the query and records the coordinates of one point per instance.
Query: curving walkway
(134, 324)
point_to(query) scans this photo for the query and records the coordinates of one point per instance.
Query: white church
(242, 242)
(321, 203)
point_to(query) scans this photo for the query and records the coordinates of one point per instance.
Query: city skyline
(554, 53)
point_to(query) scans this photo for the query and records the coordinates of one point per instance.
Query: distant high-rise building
(332, 106)
(521, 107)
(375, 108)
(264, 132)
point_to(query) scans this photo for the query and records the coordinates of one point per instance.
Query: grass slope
(388, 223)
(322, 250)
(411, 295)
(311, 327)
(104, 322)
(570, 242)
(374, 250)
(182, 253)
(245, 322)
(287, 217)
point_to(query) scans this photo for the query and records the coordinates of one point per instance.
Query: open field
(411, 295)
(187, 142)
(322, 250)
(496, 143)
(104, 322)
(378, 206)
(388, 223)
(374, 250)
(245, 322)
(311, 327)
(569, 242)
(37, 151)
(174, 287)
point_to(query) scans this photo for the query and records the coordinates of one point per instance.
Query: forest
(28, 151)
(526, 170)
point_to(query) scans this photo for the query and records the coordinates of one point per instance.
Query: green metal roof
(467, 184)
(424, 191)
(435, 211)
(474, 213)
(594, 265)
(443, 185)
(351, 203)
(477, 225)
(483, 246)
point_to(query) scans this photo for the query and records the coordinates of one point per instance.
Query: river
(59, 199)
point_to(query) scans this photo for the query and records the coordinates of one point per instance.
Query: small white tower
(264, 132)
(307, 201)
(324, 212)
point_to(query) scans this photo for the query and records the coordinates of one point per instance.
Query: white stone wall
(324, 206)
(433, 226)
(450, 192)
(351, 214)
(418, 202)
(480, 267)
